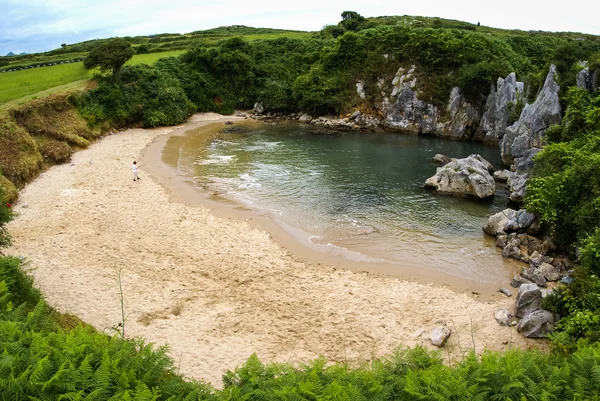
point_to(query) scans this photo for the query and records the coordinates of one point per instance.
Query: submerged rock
(468, 177)
(442, 159)
(504, 317)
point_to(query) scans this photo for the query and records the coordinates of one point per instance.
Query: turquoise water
(359, 196)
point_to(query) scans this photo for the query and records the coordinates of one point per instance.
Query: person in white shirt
(134, 168)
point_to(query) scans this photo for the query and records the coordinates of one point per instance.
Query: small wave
(262, 146)
(216, 159)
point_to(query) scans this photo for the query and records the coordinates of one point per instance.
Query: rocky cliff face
(403, 110)
(587, 80)
(524, 138)
(500, 104)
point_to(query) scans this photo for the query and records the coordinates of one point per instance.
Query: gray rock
(439, 335)
(503, 317)
(562, 263)
(504, 221)
(512, 249)
(305, 118)
(502, 239)
(536, 259)
(355, 115)
(505, 291)
(524, 218)
(258, 108)
(529, 299)
(464, 118)
(439, 158)
(541, 247)
(469, 177)
(536, 324)
(518, 281)
(405, 111)
(517, 185)
(525, 163)
(503, 175)
(587, 80)
(534, 275)
(499, 105)
(535, 118)
(549, 272)
(360, 89)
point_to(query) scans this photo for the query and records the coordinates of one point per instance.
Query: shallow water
(357, 196)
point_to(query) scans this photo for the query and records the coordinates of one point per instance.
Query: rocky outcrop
(441, 159)
(527, 133)
(517, 185)
(587, 80)
(403, 110)
(464, 118)
(500, 104)
(508, 220)
(467, 177)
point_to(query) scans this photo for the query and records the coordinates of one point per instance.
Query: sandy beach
(216, 289)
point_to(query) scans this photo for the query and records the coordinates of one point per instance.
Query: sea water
(356, 195)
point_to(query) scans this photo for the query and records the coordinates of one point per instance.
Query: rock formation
(468, 177)
(500, 104)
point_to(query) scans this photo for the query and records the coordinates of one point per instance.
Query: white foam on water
(216, 159)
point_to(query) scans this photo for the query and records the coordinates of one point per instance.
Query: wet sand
(212, 283)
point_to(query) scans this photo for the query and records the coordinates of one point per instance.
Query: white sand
(216, 289)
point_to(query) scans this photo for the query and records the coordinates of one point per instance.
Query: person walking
(134, 168)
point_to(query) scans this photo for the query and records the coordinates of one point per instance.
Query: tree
(110, 56)
(351, 20)
(64, 46)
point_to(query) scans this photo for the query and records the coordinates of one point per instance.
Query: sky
(40, 25)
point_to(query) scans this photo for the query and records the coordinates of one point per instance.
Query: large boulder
(468, 177)
(500, 104)
(528, 131)
(536, 324)
(529, 299)
(534, 275)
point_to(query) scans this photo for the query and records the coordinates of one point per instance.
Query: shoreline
(162, 155)
(216, 288)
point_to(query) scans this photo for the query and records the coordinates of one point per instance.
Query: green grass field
(16, 84)
(20, 86)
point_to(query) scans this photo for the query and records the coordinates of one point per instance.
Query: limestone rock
(528, 131)
(406, 111)
(536, 259)
(549, 272)
(587, 80)
(505, 292)
(517, 185)
(529, 299)
(442, 159)
(534, 275)
(505, 221)
(439, 335)
(499, 105)
(469, 176)
(464, 118)
(258, 108)
(503, 317)
(503, 175)
(305, 118)
(536, 324)
(518, 281)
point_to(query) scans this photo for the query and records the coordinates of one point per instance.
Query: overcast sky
(40, 25)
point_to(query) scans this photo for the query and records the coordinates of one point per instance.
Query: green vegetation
(17, 84)
(565, 193)
(109, 56)
(44, 359)
(231, 67)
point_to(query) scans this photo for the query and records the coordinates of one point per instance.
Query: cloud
(38, 25)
